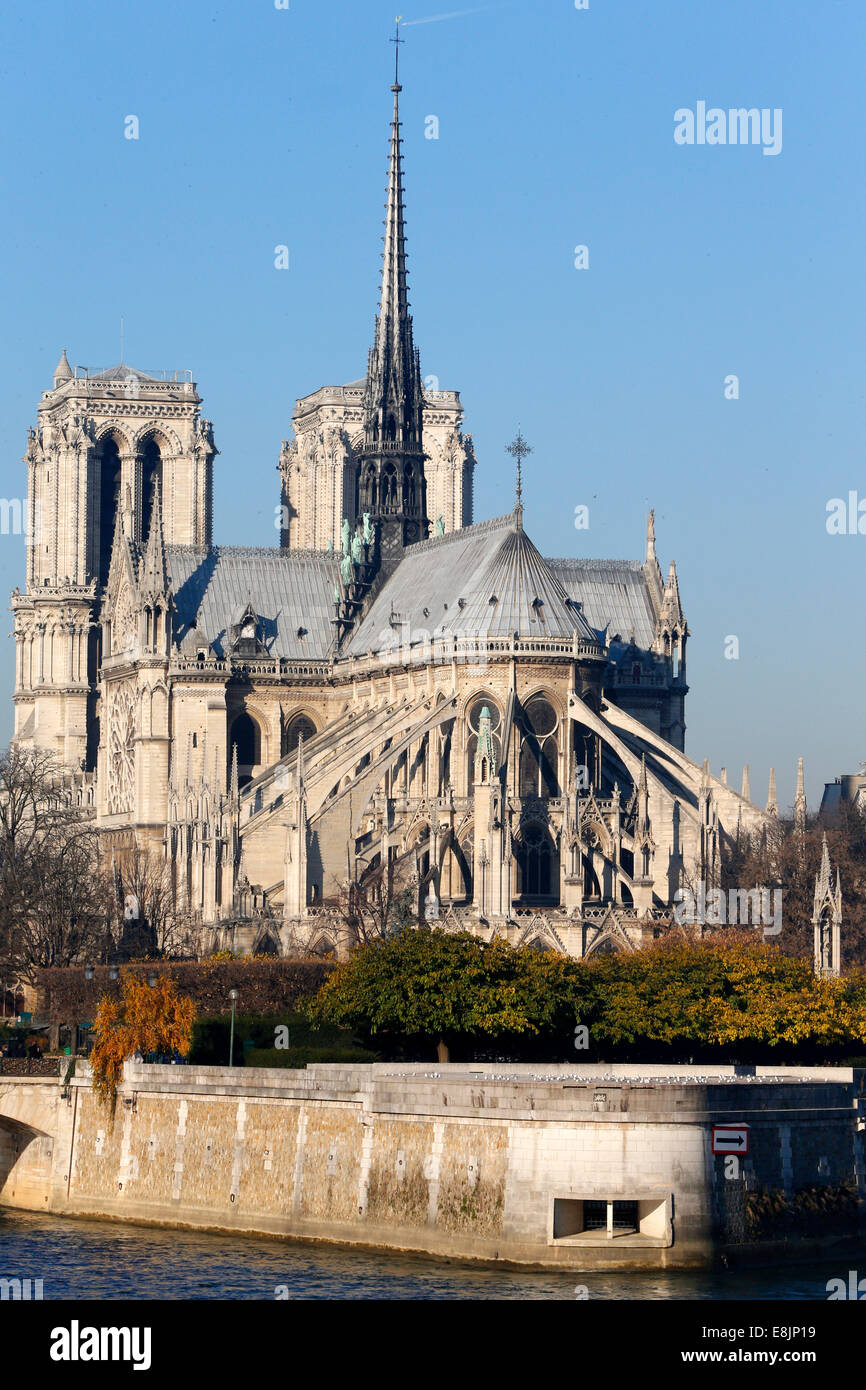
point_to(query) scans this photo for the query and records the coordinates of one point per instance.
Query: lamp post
(233, 996)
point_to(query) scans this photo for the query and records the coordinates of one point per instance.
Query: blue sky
(261, 127)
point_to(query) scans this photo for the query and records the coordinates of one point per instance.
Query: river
(81, 1259)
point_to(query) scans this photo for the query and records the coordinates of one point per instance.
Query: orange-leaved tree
(146, 1018)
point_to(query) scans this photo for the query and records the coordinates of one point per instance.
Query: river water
(79, 1259)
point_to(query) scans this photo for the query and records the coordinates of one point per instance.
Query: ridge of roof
(580, 562)
(478, 528)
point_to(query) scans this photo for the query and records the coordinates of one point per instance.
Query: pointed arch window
(537, 863)
(109, 500)
(539, 751)
(296, 728)
(246, 737)
(151, 476)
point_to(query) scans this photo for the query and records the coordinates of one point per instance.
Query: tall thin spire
(772, 800)
(800, 800)
(392, 488)
(153, 578)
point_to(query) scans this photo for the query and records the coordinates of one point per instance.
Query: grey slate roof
(614, 594)
(486, 581)
(288, 589)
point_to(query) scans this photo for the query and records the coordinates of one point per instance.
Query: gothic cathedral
(395, 691)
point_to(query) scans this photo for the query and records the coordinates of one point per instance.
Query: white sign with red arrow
(730, 1139)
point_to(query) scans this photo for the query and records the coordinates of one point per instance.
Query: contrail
(435, 18)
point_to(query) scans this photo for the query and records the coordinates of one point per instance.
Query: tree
(55, 898)
(790, 859)
(725, 990)
(145, 1018)
(377, 907)
(145, 904)
(436, 986)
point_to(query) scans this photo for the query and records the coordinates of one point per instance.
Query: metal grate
(625, 1216)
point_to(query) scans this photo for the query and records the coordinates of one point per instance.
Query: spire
(63, 371)
(485, 753)
(119, 547)
(772, 802)
(394, 393)
(822, 882)
(300, 773)
(800, 799)
(642, 827)
(392, 474)
(154, 574)
(651, 537)
(233, 785)
(746, 792)
(672, 607)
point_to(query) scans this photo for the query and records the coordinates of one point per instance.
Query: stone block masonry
(575, 1167)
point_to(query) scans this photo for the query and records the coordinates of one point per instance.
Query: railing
(162, 375)
(277, 666)
(469, 650)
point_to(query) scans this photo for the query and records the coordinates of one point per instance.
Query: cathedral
(396, 693)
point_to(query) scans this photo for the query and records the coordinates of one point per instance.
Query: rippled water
(100, 1260)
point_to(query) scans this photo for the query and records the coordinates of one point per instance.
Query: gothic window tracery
(539, 752)
(297, 727)
(537, 862)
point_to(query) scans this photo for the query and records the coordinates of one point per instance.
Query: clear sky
(261, 127)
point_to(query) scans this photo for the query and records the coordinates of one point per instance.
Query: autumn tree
(144, 1018)
(727, 990)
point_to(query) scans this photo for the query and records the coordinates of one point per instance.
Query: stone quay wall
(569, 1166)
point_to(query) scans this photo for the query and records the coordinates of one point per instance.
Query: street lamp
(233, 996)
(151, 980)
(88, 973)
(112, 972)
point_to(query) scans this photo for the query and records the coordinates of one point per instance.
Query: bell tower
(105, 442)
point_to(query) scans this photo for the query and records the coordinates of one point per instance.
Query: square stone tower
(101, 442)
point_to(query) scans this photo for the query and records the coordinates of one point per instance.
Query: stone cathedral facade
(396, 690)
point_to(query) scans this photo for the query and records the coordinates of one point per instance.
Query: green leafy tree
(435, 987)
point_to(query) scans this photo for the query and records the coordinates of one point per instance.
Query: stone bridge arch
(29, 1115)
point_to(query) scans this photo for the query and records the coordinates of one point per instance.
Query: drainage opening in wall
(641, 1219)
